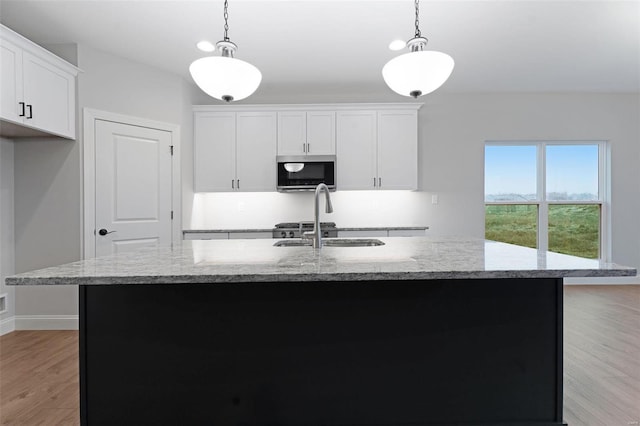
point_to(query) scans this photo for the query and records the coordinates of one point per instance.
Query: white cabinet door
(398, 149)
(11, 82)
(49, 93)
(321, 133)
(306, 133)
(356, 150)
(256, 151)
(292, 133)
(214, 153)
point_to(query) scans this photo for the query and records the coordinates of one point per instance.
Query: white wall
(455, 127)
(47, 221)
(6, 233)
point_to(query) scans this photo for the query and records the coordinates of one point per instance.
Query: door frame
(90, 116)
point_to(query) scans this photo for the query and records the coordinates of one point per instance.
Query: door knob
(104, 232)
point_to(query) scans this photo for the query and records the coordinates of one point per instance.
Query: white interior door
(133, 187)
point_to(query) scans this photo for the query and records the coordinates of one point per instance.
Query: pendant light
(225, 77)
(420, 71)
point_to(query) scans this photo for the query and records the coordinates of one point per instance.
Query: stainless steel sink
(355, 242)
(293, 243)
(330, 242)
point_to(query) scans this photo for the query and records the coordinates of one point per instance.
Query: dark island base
(447, 352)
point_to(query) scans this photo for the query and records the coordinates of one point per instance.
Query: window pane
(515, 224)
(572, 172)
(575, 229)
(510, 173)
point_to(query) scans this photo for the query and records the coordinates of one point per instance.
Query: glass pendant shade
(225, 78)
(417, 73)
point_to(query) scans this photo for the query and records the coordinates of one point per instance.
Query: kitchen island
(422, 331)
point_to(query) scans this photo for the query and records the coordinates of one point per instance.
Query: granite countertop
(224, 261)
(367, 228)
(383, 228)
(203, 231)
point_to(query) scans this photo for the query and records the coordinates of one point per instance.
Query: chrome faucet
(316, 234)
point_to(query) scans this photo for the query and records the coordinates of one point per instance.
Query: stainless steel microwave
(304, 173)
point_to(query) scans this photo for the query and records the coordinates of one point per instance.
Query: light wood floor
(39, 369)
(39, 378)
(602, 355)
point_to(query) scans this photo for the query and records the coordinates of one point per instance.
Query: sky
(569, 168)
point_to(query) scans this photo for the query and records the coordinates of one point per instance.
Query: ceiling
(511, 45)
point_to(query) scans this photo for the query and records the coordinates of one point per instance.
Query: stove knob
(291, 234)
(283, 234)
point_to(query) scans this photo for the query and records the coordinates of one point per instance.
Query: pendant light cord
(226, 19)
(417, 18)
(417, 3)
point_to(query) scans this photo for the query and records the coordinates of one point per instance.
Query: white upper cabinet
(397, 149)
(235, 146)
(234, 151)
(38, 88)
(377, 149)
(214, 152)
(306, 133)
(10, 81)
(356, 157)
(256, 151)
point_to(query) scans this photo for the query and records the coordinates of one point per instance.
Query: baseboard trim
(603, 281)
(46, 322)
(7, 325)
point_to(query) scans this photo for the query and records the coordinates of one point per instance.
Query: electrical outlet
(434, 199)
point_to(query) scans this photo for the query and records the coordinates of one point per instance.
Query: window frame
(604, 189)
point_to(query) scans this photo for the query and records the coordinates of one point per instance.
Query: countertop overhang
(241, 261)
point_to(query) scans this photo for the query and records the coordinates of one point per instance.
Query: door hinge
(171, 149)
(171, 214)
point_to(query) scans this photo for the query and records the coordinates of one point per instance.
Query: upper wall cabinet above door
(306, 133)
(38, 89)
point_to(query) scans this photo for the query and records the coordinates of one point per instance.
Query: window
(547, 195)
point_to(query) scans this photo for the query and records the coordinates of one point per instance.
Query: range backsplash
(262, 210)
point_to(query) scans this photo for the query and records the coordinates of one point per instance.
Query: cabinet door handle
(233, 183)
(374, 182)
(30, 112)
(238, 185)
(379, 182)
(21, 109)
(308, 148)
(304, 147)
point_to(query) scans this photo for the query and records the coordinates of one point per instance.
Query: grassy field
(573, 229)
